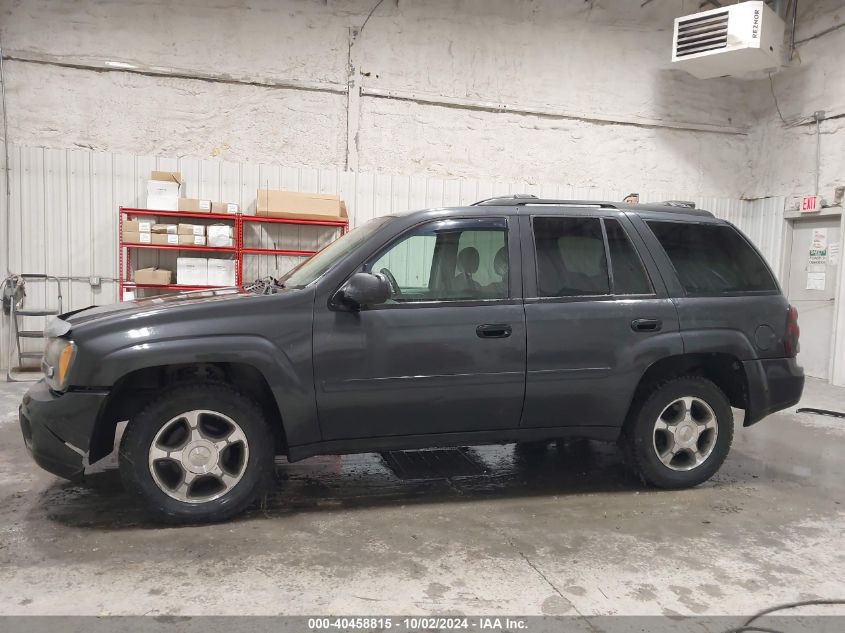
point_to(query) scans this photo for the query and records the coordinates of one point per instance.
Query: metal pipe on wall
(6, 167)
(818, 116)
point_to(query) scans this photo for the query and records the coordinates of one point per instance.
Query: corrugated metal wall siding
(64, 205)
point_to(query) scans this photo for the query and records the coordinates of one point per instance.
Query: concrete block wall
(576, 93)
(569, 92)
(782, 153)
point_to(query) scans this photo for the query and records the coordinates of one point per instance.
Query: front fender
(248, 349)
(288, 373)
(284, 363)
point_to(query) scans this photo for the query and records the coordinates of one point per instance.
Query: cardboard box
(164, 228)
(139, 225)
(163, 190)
(306, 206)
(192, 271)
(191, 229)
(164, 239)
(220, 235)
(221, 272)
(191, 240)
(158, 276)
(195, 205)
(225, 207)
(130, 237)
(167, 176)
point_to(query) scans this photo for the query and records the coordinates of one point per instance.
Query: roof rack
(527, 199)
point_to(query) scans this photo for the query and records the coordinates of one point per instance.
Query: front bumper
(57, 428)
(774, 384)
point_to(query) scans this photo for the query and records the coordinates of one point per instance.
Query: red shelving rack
(238, 249)
(343, 225)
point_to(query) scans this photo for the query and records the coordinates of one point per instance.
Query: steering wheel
(394, 287)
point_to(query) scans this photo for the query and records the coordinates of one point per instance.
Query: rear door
(597, 315)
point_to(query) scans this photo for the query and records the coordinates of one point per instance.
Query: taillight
(793, 332)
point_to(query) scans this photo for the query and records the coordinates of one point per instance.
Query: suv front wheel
(680, 434)
(197, 453)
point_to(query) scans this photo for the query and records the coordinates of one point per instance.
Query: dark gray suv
(512, 320)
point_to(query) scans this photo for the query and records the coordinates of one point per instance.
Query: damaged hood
(150, 307)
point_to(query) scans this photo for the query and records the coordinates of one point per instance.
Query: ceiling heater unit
(729, 41)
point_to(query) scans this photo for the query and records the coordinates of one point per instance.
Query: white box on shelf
(221, 272)
(220, 235)
(163, 189)
(192, 271)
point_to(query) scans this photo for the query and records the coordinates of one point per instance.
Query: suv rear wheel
(197, 453)
(681, 434)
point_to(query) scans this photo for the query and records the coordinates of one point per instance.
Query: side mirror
(363, 289)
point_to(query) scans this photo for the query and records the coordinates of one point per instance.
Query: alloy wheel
(198, 456)
(685, 433)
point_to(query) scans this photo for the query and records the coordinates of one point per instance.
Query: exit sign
(809, 204)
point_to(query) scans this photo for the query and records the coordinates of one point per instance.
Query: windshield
(317, 264)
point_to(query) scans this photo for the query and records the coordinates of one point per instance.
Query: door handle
(646, 325)
(494, 330)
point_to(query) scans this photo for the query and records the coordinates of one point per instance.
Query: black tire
(141, 431)
(638, 439)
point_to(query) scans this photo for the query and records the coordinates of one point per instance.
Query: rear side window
(629, 276)
(571, 260)
(712, 258)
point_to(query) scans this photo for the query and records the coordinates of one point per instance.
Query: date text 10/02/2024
(418, 623)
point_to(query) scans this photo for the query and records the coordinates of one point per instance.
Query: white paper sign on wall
(833, 254)
(818, 248)
(816, 281)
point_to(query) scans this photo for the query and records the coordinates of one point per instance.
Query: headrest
(500, 262)
(468, 260)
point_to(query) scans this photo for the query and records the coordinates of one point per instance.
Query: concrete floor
(570, 532)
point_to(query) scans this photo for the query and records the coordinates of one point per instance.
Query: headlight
(58, 357)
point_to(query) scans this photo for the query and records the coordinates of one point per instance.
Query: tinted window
(448, 260)
(712, 258)
(629, 276)
(570, 257)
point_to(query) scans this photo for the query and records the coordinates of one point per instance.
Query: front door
(446, 353)
(597, 316)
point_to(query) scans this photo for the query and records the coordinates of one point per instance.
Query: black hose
(835, 414)
(748, 626)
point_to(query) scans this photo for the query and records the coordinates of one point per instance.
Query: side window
(448, 260)
(410, 262)
(571, 260)
(489, 245)
(629, 276)
(712, 258)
